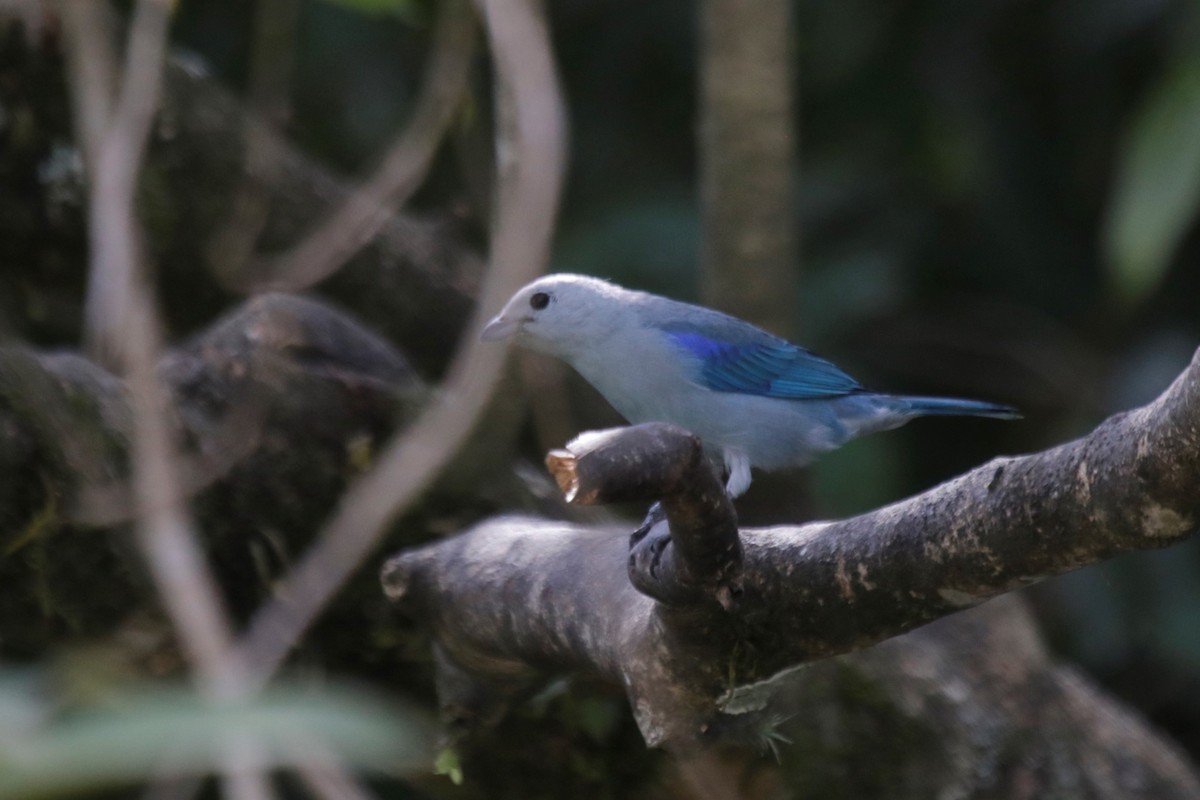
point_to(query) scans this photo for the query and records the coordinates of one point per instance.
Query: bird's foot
(654, 516)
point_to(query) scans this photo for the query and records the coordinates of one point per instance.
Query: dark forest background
(995, 199)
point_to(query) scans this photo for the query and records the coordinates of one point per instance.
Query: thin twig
(113, 228)
(532, 152)
(89, 31)
(271, 66)
(122, 314)
(345, 231)
(121, 319)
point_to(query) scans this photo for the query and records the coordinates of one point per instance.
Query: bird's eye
(539, 300)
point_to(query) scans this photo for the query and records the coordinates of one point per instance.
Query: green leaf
(147, 733)
(1157, 191)
(447, 764)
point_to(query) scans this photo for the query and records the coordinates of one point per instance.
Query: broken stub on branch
(550, 596)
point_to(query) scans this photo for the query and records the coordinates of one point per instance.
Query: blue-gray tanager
(753, 398)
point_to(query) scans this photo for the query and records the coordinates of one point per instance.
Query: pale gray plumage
(753, 398)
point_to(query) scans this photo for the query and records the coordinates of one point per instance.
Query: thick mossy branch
(521, 597)
(225, 383)
(275, 407)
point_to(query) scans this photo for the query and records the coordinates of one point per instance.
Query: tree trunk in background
(747, 152)
(748, 160)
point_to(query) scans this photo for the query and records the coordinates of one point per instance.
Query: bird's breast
(641, 377)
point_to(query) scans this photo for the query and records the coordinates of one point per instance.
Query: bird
(754, 399)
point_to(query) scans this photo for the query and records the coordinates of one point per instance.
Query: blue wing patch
(770, 368)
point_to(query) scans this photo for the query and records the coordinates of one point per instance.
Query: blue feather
(768, 367)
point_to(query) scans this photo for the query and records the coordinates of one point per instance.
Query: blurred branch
(92, 64)
(361, 215)
(747, 163)
(116, 148)
(271, 63)
(415, 282)
(228, 385)
(748, 159)
(531, 151)
(121, 320)
(104, 502)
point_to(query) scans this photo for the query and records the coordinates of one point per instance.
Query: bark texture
(748, 159)
(276, 407)
(517, 597)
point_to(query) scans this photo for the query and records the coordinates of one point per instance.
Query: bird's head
(559, 313)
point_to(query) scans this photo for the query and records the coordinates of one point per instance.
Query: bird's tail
(954, 407)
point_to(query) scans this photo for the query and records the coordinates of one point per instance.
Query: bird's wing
(751, 361)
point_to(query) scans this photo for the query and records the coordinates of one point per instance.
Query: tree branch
(531, 176)
(515, 598)
(122, 321)
(747, 149)
(266, 409)
(268, 96)
(361, 215)
(415, 282)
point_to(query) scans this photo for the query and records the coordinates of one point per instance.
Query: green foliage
(1157, 195)
(447, 763)
(131, 735)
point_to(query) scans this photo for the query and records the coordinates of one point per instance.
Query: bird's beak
(499, 328)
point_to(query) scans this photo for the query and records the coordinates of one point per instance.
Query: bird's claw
(655, 515)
